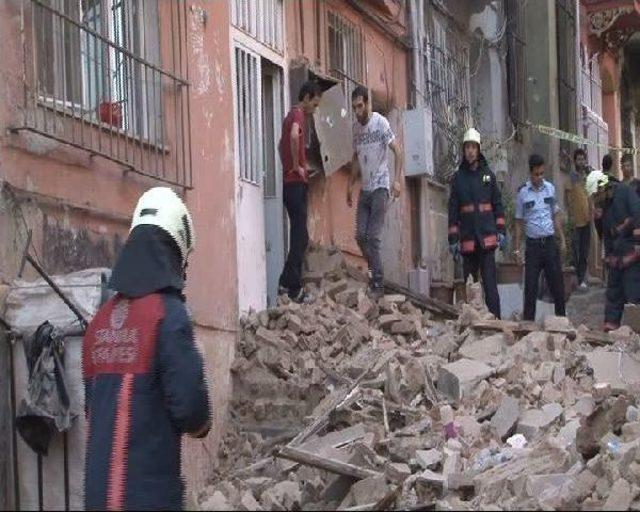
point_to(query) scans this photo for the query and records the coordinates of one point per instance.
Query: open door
(272, 115)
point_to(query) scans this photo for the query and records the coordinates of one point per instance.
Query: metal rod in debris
(57, 289)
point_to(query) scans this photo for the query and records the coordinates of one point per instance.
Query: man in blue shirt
(537, 210)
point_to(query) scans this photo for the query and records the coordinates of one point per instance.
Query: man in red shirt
(296, 176)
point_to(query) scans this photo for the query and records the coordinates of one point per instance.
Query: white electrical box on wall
(418, 142)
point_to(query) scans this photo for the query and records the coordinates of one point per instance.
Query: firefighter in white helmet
(617, 219)
(476, 218)
(144, 377)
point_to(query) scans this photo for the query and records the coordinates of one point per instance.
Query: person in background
(476, 218)
(143, 375)
(580, 214)
(619, 223)
(537, 211)
(628, 174)
(607, 164)
(295, 181)
(372, 138)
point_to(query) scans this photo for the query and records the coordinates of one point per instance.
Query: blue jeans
(372, 207)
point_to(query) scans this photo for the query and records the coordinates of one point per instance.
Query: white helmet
(161, 206)
(471, 135)
(595, 180)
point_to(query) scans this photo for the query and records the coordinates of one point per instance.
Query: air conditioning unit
(418, 142)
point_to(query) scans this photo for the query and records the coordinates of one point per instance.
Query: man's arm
(397, 182)
(519, 216)
(294, 139)
(353, 176)
(517, 240)
(454, 214)
(559, 227)
(498, 208)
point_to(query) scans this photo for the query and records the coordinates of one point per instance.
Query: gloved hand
(502, 241)
(454, 249)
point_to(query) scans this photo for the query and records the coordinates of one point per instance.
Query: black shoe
(376, 292)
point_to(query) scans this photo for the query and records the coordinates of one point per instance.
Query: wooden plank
(335, 439)
(506, 325)
(338, 397)
(418, 299)
(327, 464)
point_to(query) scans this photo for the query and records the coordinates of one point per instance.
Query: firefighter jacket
(476, 214)
(619, 225)
(144, 388)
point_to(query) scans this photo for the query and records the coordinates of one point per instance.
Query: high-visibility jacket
(144, 388)
(476, 213)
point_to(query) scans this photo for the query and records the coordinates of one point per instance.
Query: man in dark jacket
(476, 218)
(144, 377)
(618, 220)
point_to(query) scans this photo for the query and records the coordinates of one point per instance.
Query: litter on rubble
(352, 404)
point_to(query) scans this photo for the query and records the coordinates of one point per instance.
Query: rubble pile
(348, 404)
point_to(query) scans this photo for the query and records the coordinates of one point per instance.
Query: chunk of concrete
(248, 502)
(458, 379)
(615, 368)
(403, 327)
(397, 472)
(532, 422)
(387, 320)
(537, 484)
(553, 410)
(506, 417)
(631, 316)
(620, 496)
(369, 490)
(217, 501)
(489, 350)
(558, 324)
(428, 458)
(285, 495)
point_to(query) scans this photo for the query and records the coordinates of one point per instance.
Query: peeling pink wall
(103, 197)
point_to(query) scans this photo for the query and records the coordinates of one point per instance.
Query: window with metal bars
(262, 19)
(248, 92)
(446, 58)
(95, 79)
(346, 54)
(566, 49)
(516, 61)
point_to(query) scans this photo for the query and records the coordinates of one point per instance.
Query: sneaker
(584, 286)
(283, 290)
(303, 297)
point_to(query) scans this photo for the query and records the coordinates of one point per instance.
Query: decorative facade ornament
(617, 38)
(601, 21)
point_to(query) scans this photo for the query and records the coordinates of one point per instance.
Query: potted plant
(110, 112)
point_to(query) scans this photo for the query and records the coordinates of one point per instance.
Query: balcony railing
(93, 80)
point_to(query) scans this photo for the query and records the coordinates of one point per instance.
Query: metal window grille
(566, 36)
(446, 58)
(262, 19)
(516, 61)
(591, 89)
(93, 79)
(248, 114)
(346, 54)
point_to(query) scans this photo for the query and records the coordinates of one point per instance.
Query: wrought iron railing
(93, 79)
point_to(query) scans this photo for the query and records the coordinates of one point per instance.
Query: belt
(542, 240)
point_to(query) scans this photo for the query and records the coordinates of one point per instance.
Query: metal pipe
(58, 291)
(14, 433)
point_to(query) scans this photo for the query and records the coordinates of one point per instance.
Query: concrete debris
(383, 404)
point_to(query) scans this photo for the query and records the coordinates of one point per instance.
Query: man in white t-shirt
(372, 137)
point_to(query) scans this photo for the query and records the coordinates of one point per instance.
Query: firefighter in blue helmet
(617, 212)
(144, 377)
(476, 218)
